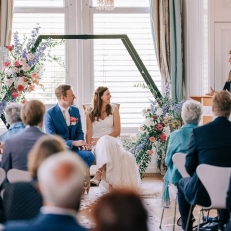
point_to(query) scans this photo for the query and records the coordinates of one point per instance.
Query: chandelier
(105, 4)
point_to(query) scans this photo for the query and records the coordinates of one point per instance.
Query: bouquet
(153, 134)
(23, 67)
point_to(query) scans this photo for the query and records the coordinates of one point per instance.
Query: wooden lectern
(206, 102)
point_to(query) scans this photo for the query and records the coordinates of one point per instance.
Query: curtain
(166, 24)
(6, 18)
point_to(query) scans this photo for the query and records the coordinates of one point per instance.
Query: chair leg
(198, 224)
(174, 219)
(189, 217)
(161, 218)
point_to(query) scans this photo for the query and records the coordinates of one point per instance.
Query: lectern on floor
(206, 102)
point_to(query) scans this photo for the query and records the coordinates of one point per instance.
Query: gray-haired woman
(12, 113)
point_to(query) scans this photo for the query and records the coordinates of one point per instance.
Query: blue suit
(45, 222)
(56, 124)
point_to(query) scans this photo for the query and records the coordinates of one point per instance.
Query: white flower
(20, 81)
(26, 67)
(159, 111)
(8, 82)
(141, 129)
(148, 122)
(153, 149)
(9, 72)
(144, 112)
(30, 56)
(15, 70)
(22, 61)
(166, 131)
(133, 137)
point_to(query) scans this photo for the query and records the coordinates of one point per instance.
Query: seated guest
(209, 144)
(60, 180)
(122, 210)
(64, 120)
(178, 140)
(12, 113)
(17, 147)
(21, 200)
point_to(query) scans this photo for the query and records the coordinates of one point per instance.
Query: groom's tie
(66, 116)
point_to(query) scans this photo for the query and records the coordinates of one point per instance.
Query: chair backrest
(216, 182)
(16, 175)
(86, 105)
(2, 175)
(179, 160)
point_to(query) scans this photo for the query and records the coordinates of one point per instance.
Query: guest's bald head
(61, 179)
(222, 103)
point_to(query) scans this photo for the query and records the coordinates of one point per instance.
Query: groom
(64, 120)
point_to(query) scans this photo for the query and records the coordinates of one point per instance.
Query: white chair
(179, 160)
(2, 175)
(16, 175)
(216, 182)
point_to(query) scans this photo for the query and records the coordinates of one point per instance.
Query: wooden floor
(152, 203)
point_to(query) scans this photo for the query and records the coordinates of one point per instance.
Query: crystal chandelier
(105, 4)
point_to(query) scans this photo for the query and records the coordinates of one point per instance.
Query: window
(51, 23)
(114, 67)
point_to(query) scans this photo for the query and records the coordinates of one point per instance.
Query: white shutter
(114, 68)
(38, 3)
(54, 74)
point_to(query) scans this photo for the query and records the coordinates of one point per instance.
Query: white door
(222, 48)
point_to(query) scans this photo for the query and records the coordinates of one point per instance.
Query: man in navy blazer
(60, 179)
(64, 120)
(209, 144)
(17, 147)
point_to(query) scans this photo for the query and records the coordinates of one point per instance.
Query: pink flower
(6, 64)
(159, 127)
(20, 88)
(31, 88)
(150, 152)
(10, 48)
(12, 89)
(154, 117)
(73, 119)
(24, 101)
(16, 64)
(36, 82)
(15, 94)
(163, 137)
(34, 75)
(152, 139)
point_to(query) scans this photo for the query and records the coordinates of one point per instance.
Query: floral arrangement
(23, 67)
(153, 134)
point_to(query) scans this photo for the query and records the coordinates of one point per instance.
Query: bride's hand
(94, 141)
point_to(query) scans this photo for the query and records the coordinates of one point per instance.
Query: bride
(116, 167)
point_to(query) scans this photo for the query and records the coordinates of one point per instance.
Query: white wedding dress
(121, 167)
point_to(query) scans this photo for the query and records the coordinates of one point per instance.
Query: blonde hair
(95, 108)
(44, 147)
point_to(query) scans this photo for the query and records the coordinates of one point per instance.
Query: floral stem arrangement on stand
(160, 119)
(23, 67)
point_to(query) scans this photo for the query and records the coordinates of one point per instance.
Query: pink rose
(16, 64)
(150, 152)
(33, 75)
(15, 94)
(163, 137)
(159, 127)
(10, 48)
(24, 101)
(6, 64)
(31, 88)
(20, 88)
(152, 139)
